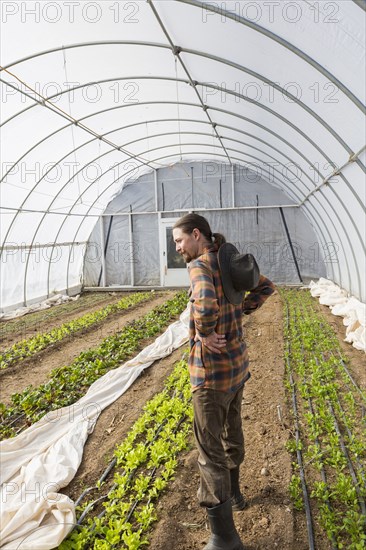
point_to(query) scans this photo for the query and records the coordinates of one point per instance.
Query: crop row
(330, 435)
(33, 320)
(120, 516)
(68, 383)
(31, 346)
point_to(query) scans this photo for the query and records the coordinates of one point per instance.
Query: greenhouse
(119, 119)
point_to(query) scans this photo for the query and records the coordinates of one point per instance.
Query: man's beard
(187, 257)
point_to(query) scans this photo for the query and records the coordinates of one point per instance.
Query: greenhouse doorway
(174, 270)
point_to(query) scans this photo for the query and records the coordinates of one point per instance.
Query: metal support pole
(233, 185)
(131, 248)
(291, 245)
(156, 189)
(102, 240)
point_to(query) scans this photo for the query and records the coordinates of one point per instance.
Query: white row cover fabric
(56, 300)
(96, 93)
(342, 304)
(37, 463)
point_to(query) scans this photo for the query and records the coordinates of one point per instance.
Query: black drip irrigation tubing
(104, 476)
(298, 451)
(322, 472)
(343, 447)
(361, 500)
(363, 396)
(153, 472)
(108, 470)
(350, 435)
(110, 467)
(113, 462)
(12, 421)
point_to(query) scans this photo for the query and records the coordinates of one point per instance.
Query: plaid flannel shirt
(210, 310)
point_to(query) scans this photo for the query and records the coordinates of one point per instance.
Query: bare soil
(29, 325)
(269, 521)
(35, 370)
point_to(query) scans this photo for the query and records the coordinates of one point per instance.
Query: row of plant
(15, 328)
(29, 347)
(68, 383)
(120, 512)
(330, 442)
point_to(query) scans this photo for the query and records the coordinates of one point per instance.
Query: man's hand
(214, 342)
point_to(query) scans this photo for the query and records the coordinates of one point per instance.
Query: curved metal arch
(231, 64)
(103, 81)
(291, 47)
(324, 155)
(210, 154)
(270, 111)
(239, 116)
(289, 95)
(121, 79)
(236, 94)
(310, 213)
(174, 133)
(286, 121)
(152, 137)
(217, 59)
(230, 139)
(325, 211)
(152, 121)
(175, 155)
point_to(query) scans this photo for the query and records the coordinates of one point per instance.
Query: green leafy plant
(144, 468)
(329, 408)
(31, 346)
(67, 384)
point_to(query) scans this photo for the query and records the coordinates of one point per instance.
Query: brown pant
(220, 441)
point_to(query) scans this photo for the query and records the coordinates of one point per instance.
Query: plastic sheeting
(342, 304)
(46, 304)
(36, 464)
(194, 186)
(98, 93)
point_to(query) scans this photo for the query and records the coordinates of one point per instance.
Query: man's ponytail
(218, 239)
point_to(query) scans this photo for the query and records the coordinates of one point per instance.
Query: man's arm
(204, 302)
(256, 297)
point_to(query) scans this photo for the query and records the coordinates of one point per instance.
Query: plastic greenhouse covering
(118, 117)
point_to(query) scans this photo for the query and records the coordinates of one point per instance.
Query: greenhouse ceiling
(98, 93)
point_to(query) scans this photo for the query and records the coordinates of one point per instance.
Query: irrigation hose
(298, 451)
(363, 397)
(322, 472)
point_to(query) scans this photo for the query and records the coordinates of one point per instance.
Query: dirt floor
(16, 378)
(269, 521)
(25, 327)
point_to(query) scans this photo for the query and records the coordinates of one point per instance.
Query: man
(219, 367)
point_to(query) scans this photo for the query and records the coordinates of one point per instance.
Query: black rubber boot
(224, 536)
(237, 499)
